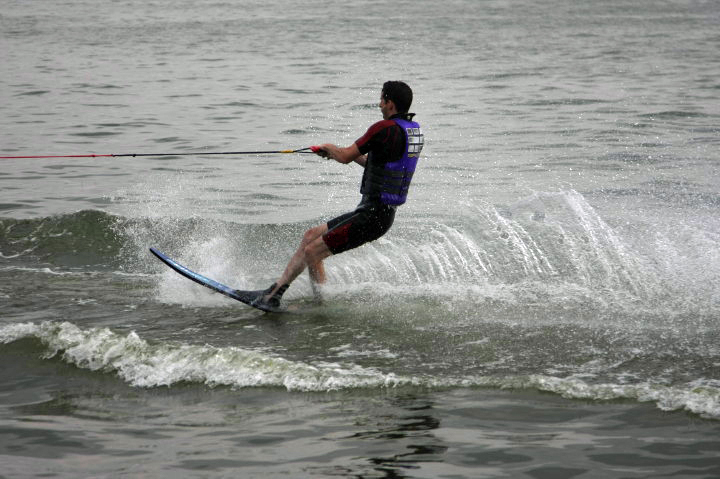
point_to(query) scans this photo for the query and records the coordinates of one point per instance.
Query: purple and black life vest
(391, 181)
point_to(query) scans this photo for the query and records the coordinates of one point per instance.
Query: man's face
(387, 107)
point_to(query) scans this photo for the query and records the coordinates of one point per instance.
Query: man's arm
(342, 155)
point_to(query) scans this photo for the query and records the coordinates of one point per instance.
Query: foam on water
(144, 364)
(554, 247)
(550, 244)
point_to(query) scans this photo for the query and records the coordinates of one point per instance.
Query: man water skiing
(389, 152)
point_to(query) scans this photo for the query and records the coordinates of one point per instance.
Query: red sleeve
(364, 143)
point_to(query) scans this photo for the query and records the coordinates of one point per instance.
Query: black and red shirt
(383, 142)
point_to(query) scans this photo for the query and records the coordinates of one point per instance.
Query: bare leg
(317, 277)
(312, 251)
(317, 273)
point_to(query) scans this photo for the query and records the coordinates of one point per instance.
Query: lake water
(545, 306)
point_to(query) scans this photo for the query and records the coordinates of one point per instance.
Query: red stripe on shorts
(337, 237)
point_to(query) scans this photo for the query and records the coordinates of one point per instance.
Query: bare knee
(308, 237)
(309, 254)
(311, 235)
(315, 251)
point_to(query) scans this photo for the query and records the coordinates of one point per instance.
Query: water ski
(243, 296)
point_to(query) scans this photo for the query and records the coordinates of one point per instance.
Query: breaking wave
(552, 247)
(141, 363)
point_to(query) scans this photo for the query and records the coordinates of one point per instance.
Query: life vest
(391, 181)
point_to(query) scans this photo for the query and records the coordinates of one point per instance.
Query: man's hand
(341, 155)
(320, 151)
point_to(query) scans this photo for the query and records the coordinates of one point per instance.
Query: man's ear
(391, 105)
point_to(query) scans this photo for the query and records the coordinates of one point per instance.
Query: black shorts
(367, 223)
